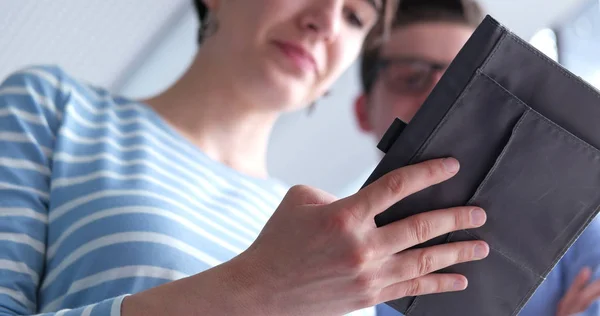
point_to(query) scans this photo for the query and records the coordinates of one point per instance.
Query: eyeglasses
(411, 76)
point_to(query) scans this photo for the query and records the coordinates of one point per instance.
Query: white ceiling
(138, 47)
(104, 41)
(99, 40)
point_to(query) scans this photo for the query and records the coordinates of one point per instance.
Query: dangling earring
(313, 106)
(208, 27)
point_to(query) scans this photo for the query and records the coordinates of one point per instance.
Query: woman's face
(287, 53)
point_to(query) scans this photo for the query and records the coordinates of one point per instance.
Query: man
(397, 79)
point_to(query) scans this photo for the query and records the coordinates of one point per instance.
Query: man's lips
(299, 56)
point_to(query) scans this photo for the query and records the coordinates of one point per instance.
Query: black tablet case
(527, 133)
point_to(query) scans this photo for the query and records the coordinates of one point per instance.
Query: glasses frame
(432, 67)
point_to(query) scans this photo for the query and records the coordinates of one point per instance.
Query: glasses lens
(408, 77)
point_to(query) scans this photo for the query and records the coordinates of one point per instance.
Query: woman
(111, 206)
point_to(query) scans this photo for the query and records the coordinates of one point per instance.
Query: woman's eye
(354, 19)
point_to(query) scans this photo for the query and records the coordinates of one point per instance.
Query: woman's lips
(299, 56)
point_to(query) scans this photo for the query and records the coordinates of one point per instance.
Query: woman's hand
(318, 256)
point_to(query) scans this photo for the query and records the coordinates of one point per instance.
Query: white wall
(325, 149)
(171, 57)
(97, 41)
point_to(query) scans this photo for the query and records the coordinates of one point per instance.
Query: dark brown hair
(379, 31)
(409, 12)
(201, 12)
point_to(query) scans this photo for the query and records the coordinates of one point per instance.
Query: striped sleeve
(31, 105)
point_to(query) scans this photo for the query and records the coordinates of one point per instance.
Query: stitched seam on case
(506, 91)
(493, 53)
(527, 296)
(560, 128)
(523, 301)
(489, 175)
(415, 302)
(524, 268)
(579, 232)
(461, 97)
(445, 118)
(569, 136)
(412, 306)
(507, 257)
(549, 61)
(448, 114)
(554, 262)
(528, 110)
(492, 171)
(574, 138)
(588, 221)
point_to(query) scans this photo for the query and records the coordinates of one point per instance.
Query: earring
(208, 27)
(313, 106)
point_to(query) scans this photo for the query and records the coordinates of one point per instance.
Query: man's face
(414, 59)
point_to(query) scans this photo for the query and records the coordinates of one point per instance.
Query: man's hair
(380, 30)
(409, 12)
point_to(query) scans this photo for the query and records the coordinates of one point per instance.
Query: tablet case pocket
(544, 174)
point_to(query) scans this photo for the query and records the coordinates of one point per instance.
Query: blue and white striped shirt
(100, 198)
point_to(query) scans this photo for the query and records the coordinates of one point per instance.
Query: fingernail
(478, 217)
(459, 285)
(451, 165)
(481, 251)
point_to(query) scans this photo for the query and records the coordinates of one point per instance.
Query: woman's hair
(201, 9)
(201, 12)
(409, 12)
(380, 30)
